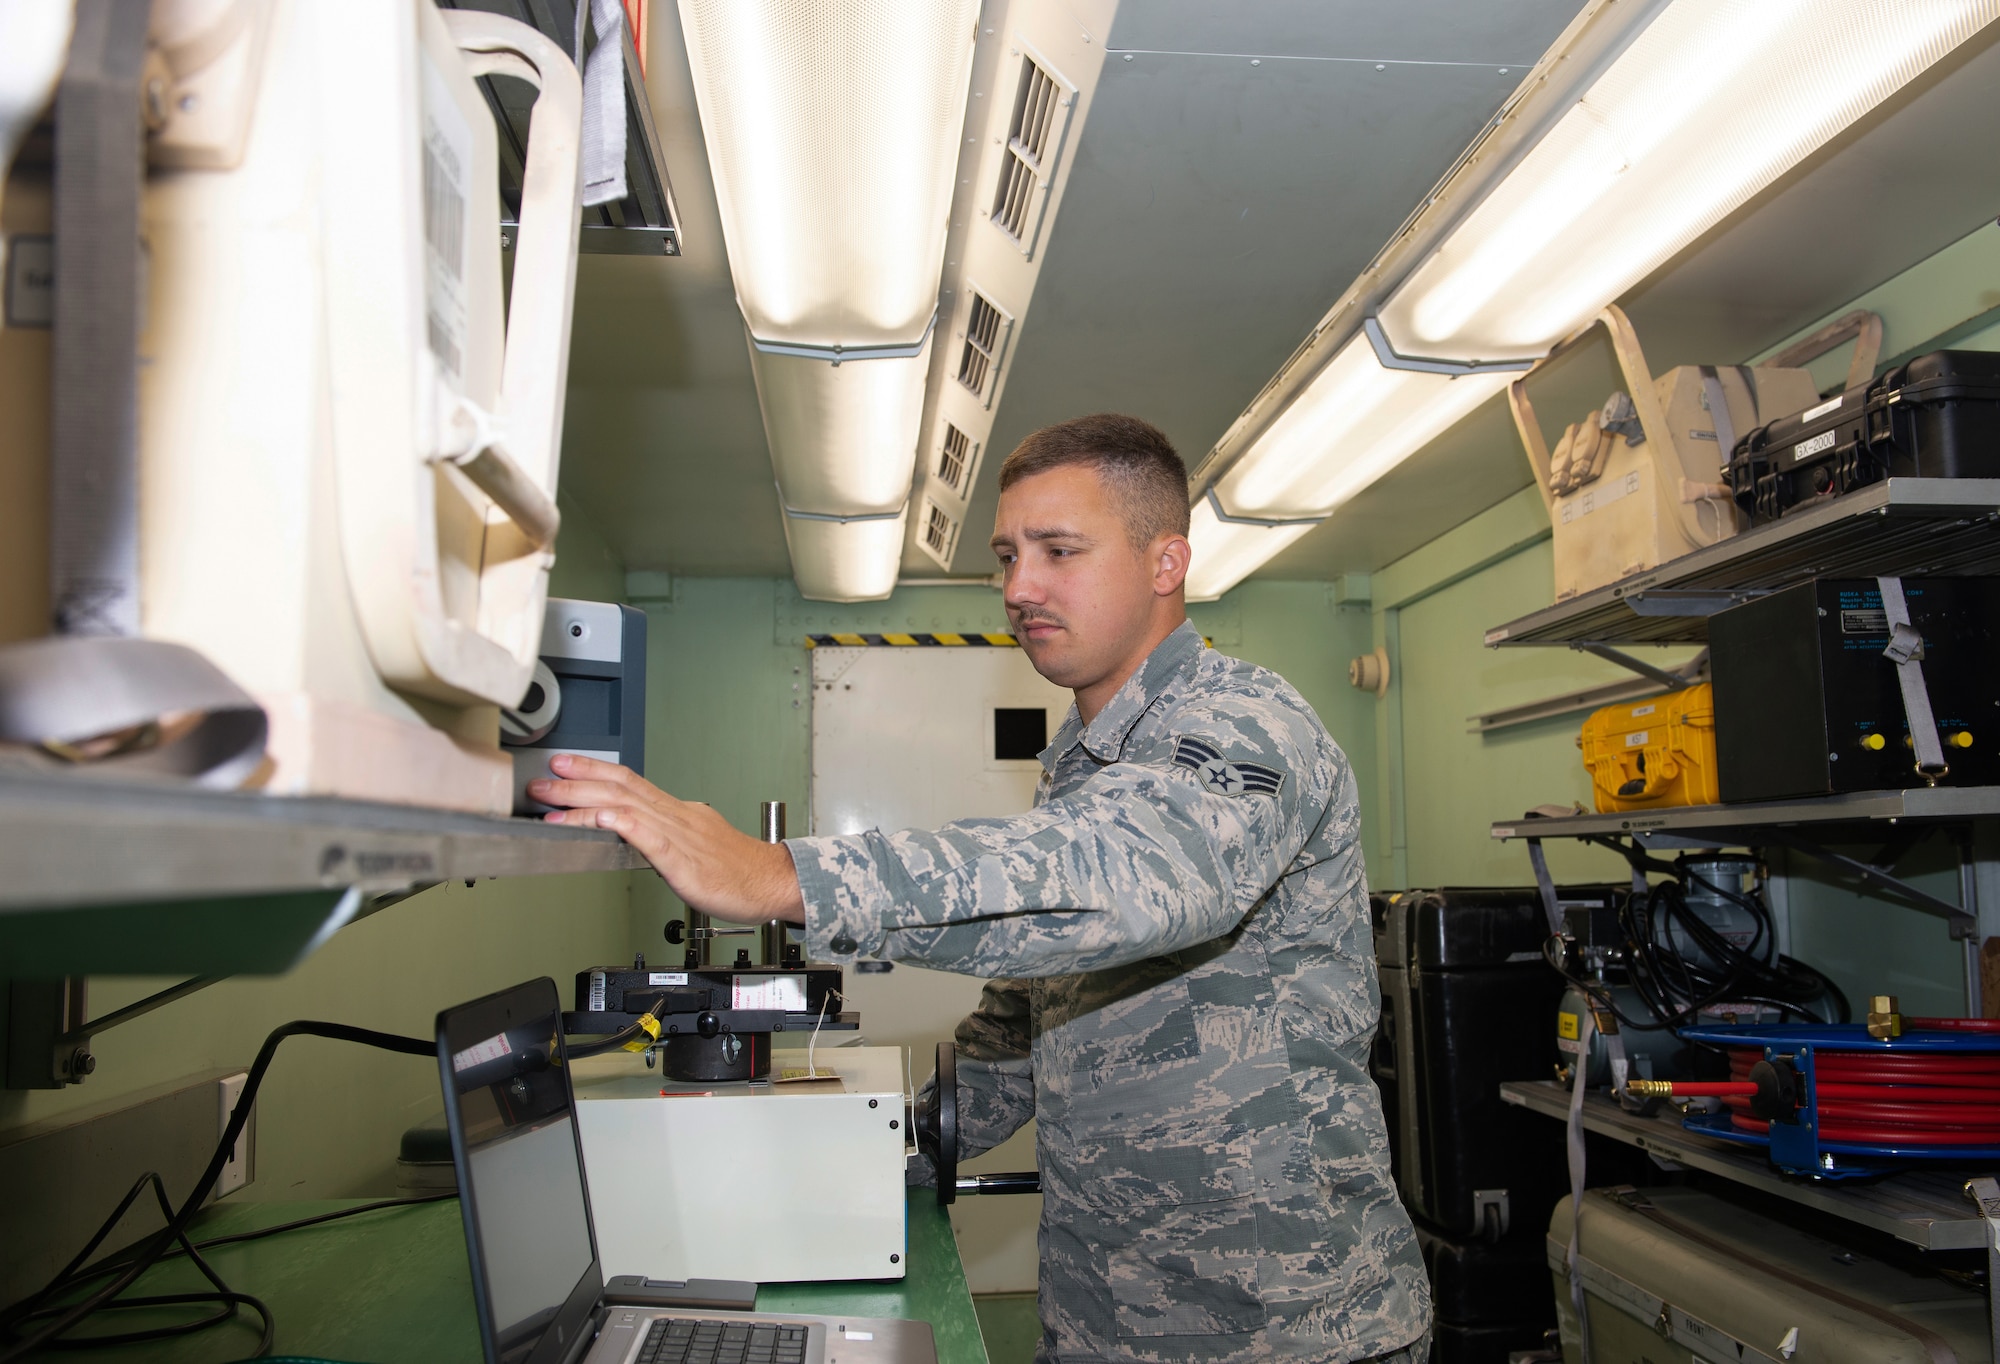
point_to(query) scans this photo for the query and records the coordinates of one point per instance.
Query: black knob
(707, 1024)
(742, 956)
(676, 931)
(638, 961)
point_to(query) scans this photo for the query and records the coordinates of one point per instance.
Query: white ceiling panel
(1215, 210)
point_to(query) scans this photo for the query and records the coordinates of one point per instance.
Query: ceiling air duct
(833, 134)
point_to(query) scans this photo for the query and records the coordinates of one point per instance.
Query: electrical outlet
(236, 1171)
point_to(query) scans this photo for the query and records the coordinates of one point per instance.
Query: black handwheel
(937, 1125)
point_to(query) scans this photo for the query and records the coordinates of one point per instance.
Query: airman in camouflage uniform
(1180, 929)
(1186, 999)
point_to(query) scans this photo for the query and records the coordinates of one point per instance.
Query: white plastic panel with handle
(447, 422)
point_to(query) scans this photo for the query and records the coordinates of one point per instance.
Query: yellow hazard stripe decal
(891, 641)
(937, 641)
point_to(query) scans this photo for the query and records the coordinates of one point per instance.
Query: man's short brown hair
(1134, 458)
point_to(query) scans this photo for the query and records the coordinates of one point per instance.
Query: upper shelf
(646, 221)
(1925, 1207)
(67, 842)
(1907, 527)
(1858, 807)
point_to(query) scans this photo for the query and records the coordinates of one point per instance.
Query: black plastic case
(1467, 1002)
(1807, 705)
(1489, 1299)
(1936, 417)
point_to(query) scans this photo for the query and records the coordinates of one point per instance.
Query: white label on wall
(770, 992)
(1637, 739)
(666, 978)
(447, 153)
(1806, 449)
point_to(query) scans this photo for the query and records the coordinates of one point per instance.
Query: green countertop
(391, 1286)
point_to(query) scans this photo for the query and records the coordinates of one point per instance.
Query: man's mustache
(1030, 616)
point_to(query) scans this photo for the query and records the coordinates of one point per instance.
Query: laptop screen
(520, 1173)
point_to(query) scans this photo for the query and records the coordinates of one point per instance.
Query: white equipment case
(747, 1180)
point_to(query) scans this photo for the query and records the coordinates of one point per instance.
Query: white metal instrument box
(758, 1181)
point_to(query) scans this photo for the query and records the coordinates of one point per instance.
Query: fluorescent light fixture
(1226, 552)
(1708, 106)
(1354, 423)
(846, 560)
(849, 431)
(833, 134)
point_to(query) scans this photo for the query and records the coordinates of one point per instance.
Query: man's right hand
(713, 866)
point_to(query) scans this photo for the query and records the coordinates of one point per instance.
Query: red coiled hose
(1884, 1098)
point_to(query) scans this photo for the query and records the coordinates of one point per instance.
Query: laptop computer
(536, 1279)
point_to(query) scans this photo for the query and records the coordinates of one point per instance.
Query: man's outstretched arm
(713, 866)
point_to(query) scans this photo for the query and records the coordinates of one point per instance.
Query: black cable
(112, 1263)
(66, 1318)
(635, 1029)
(225, 1299)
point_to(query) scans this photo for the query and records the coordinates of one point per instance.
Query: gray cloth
(1187, 1000)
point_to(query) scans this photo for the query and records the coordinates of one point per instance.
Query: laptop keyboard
(689, 1340)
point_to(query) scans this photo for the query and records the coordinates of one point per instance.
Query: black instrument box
(1467, 1002)
(1936, 417)
(628, 992)
(1807, 704)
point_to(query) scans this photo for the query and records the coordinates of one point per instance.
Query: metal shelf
(69, 843)
(1735, 823)
(1927, 1208)
(1904, 526)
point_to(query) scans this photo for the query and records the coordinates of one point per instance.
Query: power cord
(1676, 985)
(58, 1319)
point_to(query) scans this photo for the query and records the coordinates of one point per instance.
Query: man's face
(1083, 600)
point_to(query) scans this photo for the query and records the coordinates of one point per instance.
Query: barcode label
(447, 171)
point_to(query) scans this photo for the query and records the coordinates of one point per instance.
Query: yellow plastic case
(1652, 753)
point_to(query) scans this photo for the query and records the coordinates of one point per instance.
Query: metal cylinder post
(771, 828)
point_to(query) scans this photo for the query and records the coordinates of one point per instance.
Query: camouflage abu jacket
(1187, 999)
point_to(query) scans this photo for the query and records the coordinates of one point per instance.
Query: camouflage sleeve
(996, 1083)
(1140, 860)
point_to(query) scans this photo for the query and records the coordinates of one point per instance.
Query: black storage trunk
(1467, 1002)
(1489, 1299)
(1807, 705)
(1936, 417)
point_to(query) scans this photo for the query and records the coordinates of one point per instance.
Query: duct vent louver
(954, 462)
(939, 534)
(985, 336)
(1034, 139)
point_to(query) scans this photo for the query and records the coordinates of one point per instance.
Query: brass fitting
(1650, 1089)
(1884, 1020)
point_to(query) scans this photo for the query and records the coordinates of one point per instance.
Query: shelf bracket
(1658, 602)
(1962, 924)
(1672, 681)
(40, 1056)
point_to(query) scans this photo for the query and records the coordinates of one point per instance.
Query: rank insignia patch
(1224, 777)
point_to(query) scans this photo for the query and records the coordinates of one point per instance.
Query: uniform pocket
(1185, 1270)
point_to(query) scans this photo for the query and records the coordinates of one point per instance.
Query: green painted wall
(729, 709)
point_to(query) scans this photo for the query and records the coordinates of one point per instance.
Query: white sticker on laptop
(492, 1049)
(770, 992)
